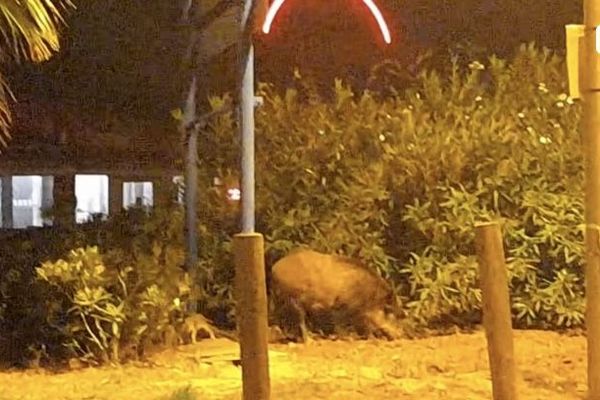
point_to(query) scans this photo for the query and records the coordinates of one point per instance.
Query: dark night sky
(125, 54)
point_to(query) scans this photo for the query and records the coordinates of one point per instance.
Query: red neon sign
(385, 32)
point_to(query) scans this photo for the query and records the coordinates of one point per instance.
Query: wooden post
(251, 311)
(592, 317)
(590, 90)
(496, 310)
(7, 202)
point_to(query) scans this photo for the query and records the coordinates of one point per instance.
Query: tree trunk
(190, 128)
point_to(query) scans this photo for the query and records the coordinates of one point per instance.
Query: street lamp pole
(248, 246)
(246, 117)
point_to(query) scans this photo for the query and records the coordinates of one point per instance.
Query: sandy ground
(551, 366)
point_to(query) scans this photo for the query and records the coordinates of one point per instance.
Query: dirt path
(551, 367)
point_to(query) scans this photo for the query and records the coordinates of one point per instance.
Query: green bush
(509, 150)
(319, 173)
(95, 315)
(105, 304)
(24, 334)
(400, 181)
(110, 301)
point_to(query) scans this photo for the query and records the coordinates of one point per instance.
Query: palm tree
(28, 31)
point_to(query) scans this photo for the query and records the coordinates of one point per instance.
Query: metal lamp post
(250, 280)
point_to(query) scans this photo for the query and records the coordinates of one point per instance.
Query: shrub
(24, 333)
(103, 303)
(399, 181)
(504, 147)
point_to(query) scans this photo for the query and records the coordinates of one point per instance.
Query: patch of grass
(183, 394)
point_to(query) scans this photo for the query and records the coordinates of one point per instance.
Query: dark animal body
(309, 283)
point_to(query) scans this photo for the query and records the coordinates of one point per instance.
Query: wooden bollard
(592, 311)
(251, 312)
(496, 310)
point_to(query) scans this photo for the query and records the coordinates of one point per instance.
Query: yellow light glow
(385, 32)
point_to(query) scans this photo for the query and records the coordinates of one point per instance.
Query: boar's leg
(287, 316)
(301, 314)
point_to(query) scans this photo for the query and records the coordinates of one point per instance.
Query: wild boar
(194, 324)
(307, 282)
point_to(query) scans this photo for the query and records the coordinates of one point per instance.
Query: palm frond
(5, 116)
(28, 29)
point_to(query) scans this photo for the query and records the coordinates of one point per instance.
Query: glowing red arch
(385, 32)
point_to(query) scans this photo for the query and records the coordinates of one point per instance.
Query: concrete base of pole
(496, 310)
(251, 311)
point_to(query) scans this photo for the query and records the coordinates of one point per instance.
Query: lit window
(31, 196)
(92, 196)
(137, 194)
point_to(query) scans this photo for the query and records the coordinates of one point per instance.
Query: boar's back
(322, 281)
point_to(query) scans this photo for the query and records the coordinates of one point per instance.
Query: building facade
(62, 167)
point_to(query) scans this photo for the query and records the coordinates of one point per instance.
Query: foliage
(148, 249)
(23, 327)
(31, 29)
(126, 297)
(186, 393)
(28, 29)
(399, 181)
(109, 305)
(497, 142)
(319, 173)
(96, 316)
